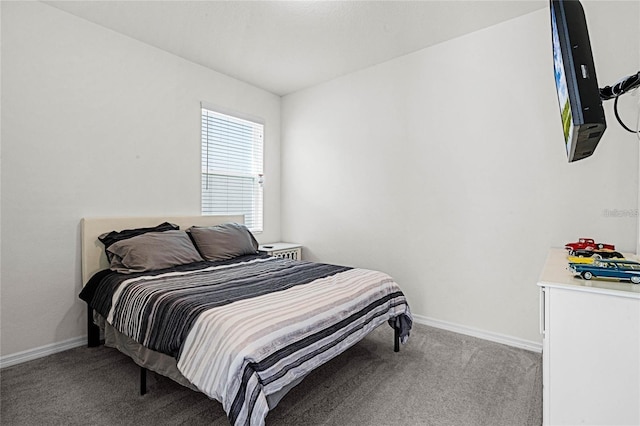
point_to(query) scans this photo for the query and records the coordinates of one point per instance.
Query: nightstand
(283, 250)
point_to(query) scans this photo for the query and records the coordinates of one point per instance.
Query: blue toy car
(608, 268)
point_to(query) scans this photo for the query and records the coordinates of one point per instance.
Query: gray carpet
(438, 378)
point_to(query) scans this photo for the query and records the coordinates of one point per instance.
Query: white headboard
(94, 258)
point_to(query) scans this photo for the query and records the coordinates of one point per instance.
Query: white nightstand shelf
(283, 250)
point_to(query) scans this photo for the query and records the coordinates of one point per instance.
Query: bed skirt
(159, 362)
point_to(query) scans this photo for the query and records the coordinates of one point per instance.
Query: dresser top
(556, 274)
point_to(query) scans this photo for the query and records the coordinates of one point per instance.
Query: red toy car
(587, 244)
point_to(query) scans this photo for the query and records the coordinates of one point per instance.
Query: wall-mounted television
(583, 121)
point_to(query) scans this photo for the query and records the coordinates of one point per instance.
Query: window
(232, 166)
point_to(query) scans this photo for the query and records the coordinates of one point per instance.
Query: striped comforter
(244, 330)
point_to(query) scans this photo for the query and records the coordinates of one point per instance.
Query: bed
(192, 299)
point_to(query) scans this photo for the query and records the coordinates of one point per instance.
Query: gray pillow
(153, 250)
(224, 241)
(109, 238)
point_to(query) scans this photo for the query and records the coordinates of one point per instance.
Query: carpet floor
(437, 378)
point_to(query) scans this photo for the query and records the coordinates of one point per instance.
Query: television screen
(583, 121)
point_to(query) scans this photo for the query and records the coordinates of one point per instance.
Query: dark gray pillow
(153, 250)
(112, 237)
(224, 241)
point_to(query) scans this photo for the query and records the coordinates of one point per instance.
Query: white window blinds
(232, 167)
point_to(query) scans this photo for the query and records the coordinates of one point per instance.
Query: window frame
(256, 220)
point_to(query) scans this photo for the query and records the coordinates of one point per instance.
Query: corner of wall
(638, 95)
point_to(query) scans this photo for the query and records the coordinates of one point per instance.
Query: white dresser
(591, 348)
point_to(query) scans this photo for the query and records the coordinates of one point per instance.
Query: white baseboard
(482, 334)
(42, 351)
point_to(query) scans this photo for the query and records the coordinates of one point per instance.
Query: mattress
(244, 331)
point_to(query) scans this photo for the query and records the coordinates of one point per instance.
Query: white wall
(446, 169)
(637, 98)
(96, 124)
(412, 167)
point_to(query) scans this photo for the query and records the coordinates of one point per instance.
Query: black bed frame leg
(143, 380)
(396, 339)
(93, 331)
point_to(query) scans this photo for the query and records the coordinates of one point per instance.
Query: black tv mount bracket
(620, 88)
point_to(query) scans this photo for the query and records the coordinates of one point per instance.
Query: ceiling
(286, 46)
